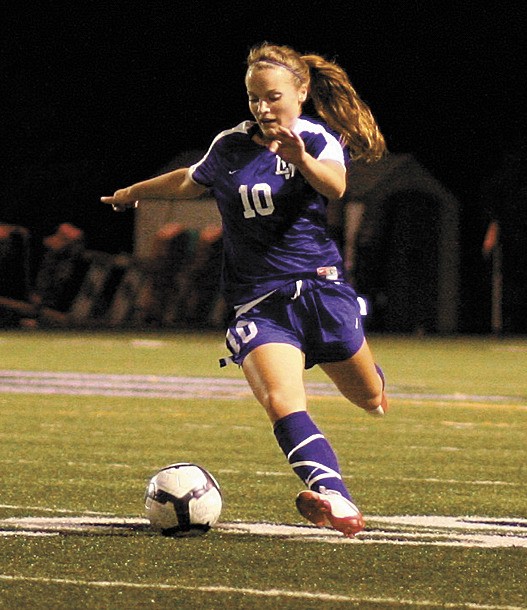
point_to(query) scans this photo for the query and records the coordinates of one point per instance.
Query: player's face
(274, 99)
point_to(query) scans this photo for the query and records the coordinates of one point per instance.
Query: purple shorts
(322, 318)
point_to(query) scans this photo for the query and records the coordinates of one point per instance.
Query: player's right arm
(172, 185)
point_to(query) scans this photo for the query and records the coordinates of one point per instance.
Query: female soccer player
(283, 277)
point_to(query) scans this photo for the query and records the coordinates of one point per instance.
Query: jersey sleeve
(332, 151)
(321, 142)
(204, 170)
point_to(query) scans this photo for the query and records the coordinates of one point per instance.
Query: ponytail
(340, 106)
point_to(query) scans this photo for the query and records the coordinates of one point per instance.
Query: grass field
(87, 418)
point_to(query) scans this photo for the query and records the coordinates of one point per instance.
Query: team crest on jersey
(284, 169)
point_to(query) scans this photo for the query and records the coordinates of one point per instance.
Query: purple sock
(309, 453)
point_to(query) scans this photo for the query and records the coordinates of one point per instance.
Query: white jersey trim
(333, 149)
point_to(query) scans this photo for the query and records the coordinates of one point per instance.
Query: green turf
(72, 455)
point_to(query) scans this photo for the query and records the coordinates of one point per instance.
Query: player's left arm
(326, 176)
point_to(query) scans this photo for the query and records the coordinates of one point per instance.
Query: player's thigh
(357, 378)
(275, 373)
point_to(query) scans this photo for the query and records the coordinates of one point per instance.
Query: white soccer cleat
(378, 412)
(330, 509)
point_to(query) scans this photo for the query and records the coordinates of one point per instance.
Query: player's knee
(277, 399)
(278, 403)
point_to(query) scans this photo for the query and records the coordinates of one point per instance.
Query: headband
(280, 65)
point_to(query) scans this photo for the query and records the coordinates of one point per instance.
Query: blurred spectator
(504, 197)
(57, 282)
(172, 253)
(14, 261)
(58, 278)
(14, 270)
(203, 304)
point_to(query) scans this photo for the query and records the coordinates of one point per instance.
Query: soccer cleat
(330, 509)
(380, 411)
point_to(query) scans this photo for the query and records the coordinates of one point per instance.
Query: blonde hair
(333, 96)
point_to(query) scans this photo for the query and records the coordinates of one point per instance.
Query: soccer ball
(183, 499)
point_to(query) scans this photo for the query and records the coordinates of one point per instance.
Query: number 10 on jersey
(258, 200)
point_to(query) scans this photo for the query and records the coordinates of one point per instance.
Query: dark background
(96, 97)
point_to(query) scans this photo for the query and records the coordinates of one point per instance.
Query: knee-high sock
(309, 453)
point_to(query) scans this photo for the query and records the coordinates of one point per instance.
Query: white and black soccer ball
(183, 499)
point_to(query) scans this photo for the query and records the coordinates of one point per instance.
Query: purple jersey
(274, 222)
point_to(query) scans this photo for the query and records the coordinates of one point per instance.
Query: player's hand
(120, 200)
(288, 145)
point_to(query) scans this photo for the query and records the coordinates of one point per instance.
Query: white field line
(154, 386)
(270, 593)
(409, 530)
